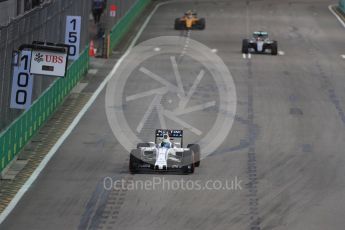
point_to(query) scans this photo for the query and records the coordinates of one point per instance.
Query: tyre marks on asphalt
(103, 208)
(252, 185)
(94, 208)
(252, 132)
(115, 200)
(333, 96)
(325, 79)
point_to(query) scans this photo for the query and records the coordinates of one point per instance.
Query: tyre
(245, 46)
(141, 145)
(196, 149)
(188, 162)
(178, 24)
(133, 161)
(274, 48)
(202, 24)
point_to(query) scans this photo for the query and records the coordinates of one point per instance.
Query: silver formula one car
(260, 43)
(166, 154)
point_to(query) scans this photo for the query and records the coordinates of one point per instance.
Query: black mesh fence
(46, 23)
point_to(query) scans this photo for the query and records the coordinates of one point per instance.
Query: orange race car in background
(190, 21)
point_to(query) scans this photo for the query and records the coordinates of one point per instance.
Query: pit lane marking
(184, 51)
(93, 71)
(245, 56)
(281, 53)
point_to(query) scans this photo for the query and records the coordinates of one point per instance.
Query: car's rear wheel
(274, 48)
(245, 46)
(196, 149)
(133, 161)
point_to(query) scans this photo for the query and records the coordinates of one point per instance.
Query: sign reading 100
(22, 83)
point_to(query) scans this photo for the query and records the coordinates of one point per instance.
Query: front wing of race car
(259, 46)
(145, 160)
(190, 24)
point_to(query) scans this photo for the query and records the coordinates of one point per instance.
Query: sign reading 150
(72, 36)
(22, 83)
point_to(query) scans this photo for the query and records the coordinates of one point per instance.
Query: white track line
(75, 122)
(343, 56)
(339, 19)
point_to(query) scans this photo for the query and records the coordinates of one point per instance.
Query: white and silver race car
(259, 43)
(166, 154)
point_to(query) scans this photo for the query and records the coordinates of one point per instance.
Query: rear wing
(174, 134)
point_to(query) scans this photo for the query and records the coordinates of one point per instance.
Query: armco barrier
(342, 5)
(14, 138)
(122, 27)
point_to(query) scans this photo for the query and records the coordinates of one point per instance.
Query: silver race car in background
(165, 154)
(260, 43)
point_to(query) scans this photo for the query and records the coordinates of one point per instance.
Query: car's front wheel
(274, 48)
(196, 150)
(245, 46)
(188, 162)
(202, 24)
(178, 24)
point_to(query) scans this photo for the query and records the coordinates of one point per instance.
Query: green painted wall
(123, 26)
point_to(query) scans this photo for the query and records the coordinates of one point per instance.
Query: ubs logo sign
(48, 63)
(48, 58)
(54, 59)
(38, 57)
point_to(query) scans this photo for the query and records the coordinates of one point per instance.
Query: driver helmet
(166, 141)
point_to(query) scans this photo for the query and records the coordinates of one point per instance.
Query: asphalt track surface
(286, 144)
